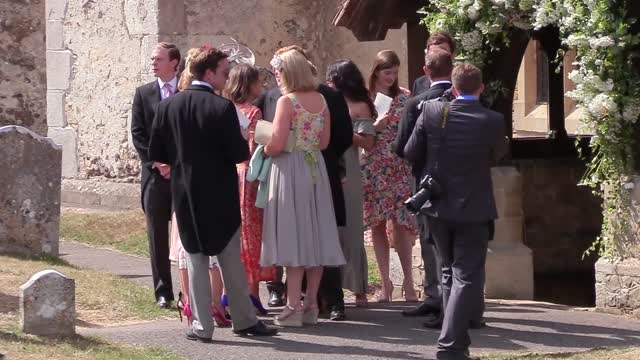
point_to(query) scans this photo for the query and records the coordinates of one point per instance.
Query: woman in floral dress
(242, 88)
(388, 181)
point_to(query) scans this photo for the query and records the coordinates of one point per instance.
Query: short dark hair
(205, 59)
(174, 52)
(441, 37)
(466, 78)
(439, 63)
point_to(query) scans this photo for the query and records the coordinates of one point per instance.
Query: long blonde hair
(186, 77)
(296, 73)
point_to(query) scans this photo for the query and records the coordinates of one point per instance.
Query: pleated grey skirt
(299, 226)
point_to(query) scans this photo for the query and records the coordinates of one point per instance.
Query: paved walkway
(378, 332)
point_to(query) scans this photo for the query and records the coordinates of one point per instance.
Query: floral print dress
(251, 227)
(387, 178)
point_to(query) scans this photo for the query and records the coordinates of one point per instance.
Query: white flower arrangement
(600, 34)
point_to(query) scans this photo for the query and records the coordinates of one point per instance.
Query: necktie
(168, 91)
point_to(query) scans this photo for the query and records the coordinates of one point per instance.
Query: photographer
(460, 140)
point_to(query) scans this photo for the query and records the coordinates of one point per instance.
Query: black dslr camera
(429, 188)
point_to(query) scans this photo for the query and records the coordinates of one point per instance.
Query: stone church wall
(23, 80)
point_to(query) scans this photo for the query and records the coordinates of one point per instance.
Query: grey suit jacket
(473, 140)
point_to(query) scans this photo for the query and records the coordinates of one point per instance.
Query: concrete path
(378, 332)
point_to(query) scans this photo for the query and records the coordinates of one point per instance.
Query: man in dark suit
(341, 139)
(156, 196)
(438, 66)
(441, 40)
(461, 139)
(198, 134)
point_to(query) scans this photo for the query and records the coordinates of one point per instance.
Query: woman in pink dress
(388, 180)
(242, 88)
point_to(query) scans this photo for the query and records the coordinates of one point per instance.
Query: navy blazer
(474, 138)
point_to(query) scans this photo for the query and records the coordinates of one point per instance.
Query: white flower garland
(605, 88)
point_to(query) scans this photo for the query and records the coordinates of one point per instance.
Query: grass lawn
(101, 298)
(597, 354)
(17, 346)
(119, 230)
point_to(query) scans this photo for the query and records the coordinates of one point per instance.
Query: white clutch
(264, 131)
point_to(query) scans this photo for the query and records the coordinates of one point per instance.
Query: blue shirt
(467, 97)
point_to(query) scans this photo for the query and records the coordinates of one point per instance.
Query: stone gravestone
(48, 304)
(30, 193)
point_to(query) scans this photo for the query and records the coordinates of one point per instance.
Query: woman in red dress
(242, 88)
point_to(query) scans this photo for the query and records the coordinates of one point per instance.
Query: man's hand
(165, 170)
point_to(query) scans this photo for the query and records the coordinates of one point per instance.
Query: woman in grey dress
(345, 76)
(299, 226)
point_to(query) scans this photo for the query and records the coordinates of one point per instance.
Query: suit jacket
(474, 138)
(143, 110)
(197, 132)
(341, 139)
(410, 115)
(420, 85)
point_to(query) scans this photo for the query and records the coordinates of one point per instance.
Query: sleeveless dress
(299, 227)
(251, 226)
(388, 181)
(354, 272)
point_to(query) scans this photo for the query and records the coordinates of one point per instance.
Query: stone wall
(561, 219)
(93, 70)
(99, 53)
(618, 287)
(23, 64)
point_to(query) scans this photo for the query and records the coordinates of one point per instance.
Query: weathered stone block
(148, 43)
(56, 116)
(141, 17)
(508, 230)
(618, 286)
(55, 35)
(48, 304)
(58, 69)
(68, 139)
(30, 192)
(171, 17)
(509, 273)
(56, 9)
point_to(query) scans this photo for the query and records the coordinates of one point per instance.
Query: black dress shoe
(423, 309)
(475, 325)
(193, 337)
(259, 329)
(337, 314)
(433, 321)
(275, 299)
(163, 303)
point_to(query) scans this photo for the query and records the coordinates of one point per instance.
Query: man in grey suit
(461, 140)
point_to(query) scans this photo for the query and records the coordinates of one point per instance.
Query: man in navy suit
(460, 141)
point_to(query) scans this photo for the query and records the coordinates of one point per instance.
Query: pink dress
(251, 227)
(388, 181)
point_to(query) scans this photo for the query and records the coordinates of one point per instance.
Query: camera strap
(443, 130)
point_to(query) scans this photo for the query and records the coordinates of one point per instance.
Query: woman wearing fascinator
(299, 228)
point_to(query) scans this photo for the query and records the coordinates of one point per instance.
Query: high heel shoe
(256, 302)
(290, 316)
(184, 308)
(310, 315)
(409, 292)
(220, 319)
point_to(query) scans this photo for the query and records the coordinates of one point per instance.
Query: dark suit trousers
(331, 287)
(157, 206)
(463, 251)
(432, 266)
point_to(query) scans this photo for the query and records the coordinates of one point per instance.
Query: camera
(429, 188)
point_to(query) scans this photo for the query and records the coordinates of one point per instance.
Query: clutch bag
(264, 131)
